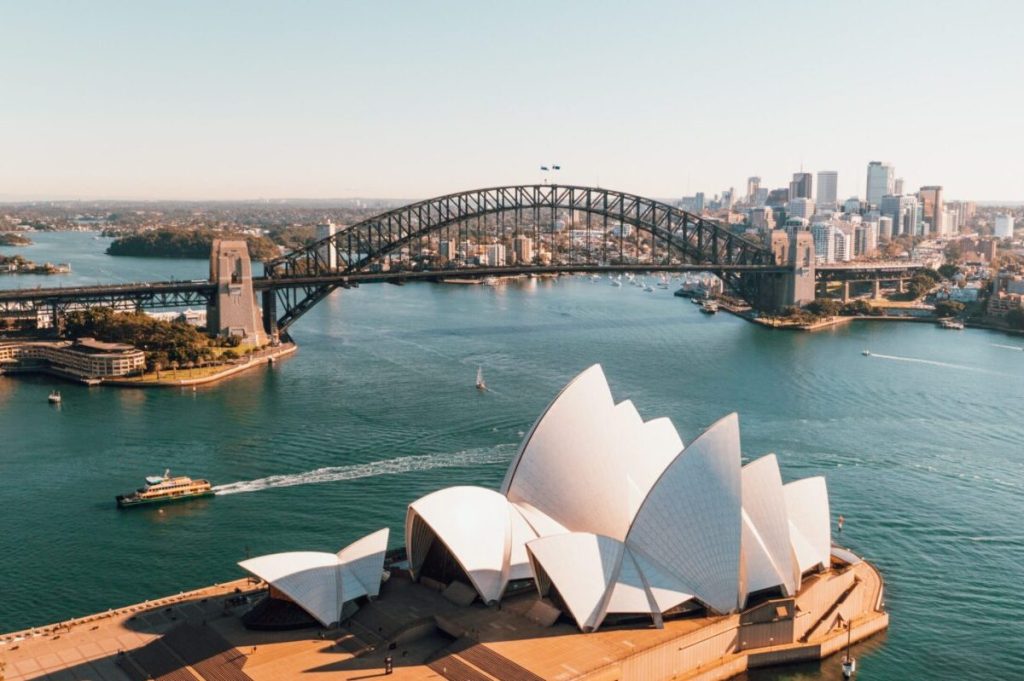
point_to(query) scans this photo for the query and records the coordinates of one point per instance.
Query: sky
(307, 99)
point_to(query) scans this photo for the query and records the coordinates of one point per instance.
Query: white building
(328, 250)
(611, 515)
(865, 238)
(844, 246)
(495, 254)
(801, 208)
(824, 235)
(522, 248)
(1004, 226)
(885, 228)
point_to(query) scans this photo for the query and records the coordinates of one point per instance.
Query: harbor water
(921, 442)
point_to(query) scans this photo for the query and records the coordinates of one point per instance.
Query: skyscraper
(1004, 226)
(801, 187)
(824, 234)
(801, 208)
(903, 211)
(931, 208)
(881, 182)
(753, 184)
(828, 181)
(329, 250)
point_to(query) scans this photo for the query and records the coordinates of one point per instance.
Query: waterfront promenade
(198, 635)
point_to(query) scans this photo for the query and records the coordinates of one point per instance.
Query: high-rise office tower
(753, 184)
(329, 250)
(931, 208)
(801, 187)
(824, 234)
(881, 182)
(897, 186)
(801, 208)
(903, 211)
(828, 181)
(522, 246)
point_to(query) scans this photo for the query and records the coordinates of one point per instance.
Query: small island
(16, 264)
(182, 243)
(12, 239)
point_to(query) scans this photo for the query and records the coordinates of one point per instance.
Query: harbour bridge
(497, 231)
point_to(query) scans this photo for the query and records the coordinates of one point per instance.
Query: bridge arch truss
(401, 239)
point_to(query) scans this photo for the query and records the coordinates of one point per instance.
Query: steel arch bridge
(400, 241)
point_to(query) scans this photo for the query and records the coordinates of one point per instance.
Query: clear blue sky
(413, 99)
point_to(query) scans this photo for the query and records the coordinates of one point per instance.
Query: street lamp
(549, 169)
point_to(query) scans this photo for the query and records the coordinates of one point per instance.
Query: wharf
(199, 635)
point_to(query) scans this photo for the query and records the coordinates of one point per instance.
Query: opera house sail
(609, 514)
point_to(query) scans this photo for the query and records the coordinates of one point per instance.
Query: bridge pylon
(233, 310)
(777, 291)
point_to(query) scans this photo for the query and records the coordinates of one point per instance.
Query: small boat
(54, 397)
(709, 307)
(866, 353)
(616, 282)
(649, 288)
(848, 665)
(480, 384)
(164, 488)
(952, 324)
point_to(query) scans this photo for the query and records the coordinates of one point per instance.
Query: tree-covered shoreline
(182, 243)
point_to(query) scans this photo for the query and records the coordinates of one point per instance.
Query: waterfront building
(801, 187)
(824, 234)
(695, 528)
(931, 209)
(881, 182)
(495, 254)
(1003, 226)
(828, 182)
(446, 249)
(522, 249)
(801, 207)
(86, 358)
(329, 250)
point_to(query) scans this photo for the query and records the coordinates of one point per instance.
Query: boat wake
(1006, 347)
(398, 465)
(932, 362)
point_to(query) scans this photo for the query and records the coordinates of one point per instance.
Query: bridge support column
(234, 311)
(900, 286)
(795, 287)
(846, 291)
(270, 315)
(876, 289)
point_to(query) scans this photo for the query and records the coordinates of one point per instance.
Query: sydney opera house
(605, 524)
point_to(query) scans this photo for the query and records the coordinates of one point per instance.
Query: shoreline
(282, 351)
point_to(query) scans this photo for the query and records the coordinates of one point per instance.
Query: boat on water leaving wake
(164, 488)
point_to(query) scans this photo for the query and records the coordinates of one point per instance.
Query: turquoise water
(921, 445)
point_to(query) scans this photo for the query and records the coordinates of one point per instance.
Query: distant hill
(182, 243)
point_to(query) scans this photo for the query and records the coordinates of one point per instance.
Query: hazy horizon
(120, 101)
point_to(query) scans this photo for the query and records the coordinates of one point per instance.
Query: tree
(949, 270)
(857, 308)
(948, 308)
(824, 307)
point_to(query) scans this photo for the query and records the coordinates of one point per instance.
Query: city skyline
(250, 101)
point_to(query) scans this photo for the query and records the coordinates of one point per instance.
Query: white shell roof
(585, 447)
(809, 521)
(770, 560)
(592, 483)
(690, 523)
(476, 526)
(320, 583)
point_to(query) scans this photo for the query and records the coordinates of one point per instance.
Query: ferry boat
(163, 488)
(709, 307)
(952, 324)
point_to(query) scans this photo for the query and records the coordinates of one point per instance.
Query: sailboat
(480, 384)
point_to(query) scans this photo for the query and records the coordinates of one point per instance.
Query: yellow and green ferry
(164, 488)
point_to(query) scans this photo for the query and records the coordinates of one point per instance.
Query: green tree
(948, 308)
(824, 307)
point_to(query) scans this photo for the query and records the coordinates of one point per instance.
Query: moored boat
(164, 488)
(952, 324)
(54, 397)
(709, 307)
